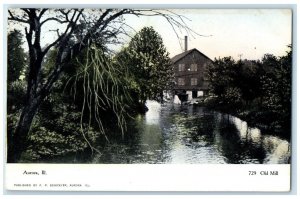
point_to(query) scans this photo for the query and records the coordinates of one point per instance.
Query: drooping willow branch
(104, 88)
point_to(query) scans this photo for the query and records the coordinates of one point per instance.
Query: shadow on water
(171, 133)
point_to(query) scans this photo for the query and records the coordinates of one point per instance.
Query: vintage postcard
(149, 99)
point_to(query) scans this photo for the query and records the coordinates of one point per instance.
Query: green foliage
(248, 79)
(101, 88)
(16, 57)
(276, 86)
(15, 95)
(49, 63)
(12, 119)
(148, 63)
(220, 75)
(80, 107)
(16, 62)
(49, 143)
(232, 96)
(83, 103)
(46, 144)
(223, 77)
(56, 131)
(262, 89)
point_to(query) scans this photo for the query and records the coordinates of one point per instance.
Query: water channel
(171, 133)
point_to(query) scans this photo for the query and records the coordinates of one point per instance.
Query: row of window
(181, 81)
(193, 67)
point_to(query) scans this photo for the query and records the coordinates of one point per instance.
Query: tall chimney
(185, 43)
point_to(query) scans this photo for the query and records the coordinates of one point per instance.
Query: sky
(239, 33)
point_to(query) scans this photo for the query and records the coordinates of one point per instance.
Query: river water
(171, 133)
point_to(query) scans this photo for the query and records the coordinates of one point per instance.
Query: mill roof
(178, 57)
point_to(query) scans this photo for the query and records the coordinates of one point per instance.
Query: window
(181, 67)
(194, 67)
(180, 81)
(193, 81)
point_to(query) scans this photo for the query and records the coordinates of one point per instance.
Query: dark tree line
(259, 91)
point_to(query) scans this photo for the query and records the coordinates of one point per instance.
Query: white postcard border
(15, 171)
(148, 177)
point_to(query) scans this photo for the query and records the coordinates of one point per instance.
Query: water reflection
(171, 133)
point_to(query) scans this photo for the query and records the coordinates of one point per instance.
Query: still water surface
(171, 133)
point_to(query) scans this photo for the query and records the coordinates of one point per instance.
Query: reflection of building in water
(153, 114)
(189, 68)
(150, 134)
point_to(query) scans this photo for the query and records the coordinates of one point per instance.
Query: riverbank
(268, 121)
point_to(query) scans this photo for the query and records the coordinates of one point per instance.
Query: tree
(247, 79)
(264, 86)
(276, 86)
(219, 75)
(227, 83)
(77, 30)
(16, 58)
(16, 61)
(83, 104)
(149, 63)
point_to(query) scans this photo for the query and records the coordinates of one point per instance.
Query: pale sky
(250, 33)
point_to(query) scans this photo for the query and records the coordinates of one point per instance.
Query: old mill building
(189, 68)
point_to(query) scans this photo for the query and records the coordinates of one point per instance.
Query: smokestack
(185, 43)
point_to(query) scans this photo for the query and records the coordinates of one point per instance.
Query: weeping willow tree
(99, 87)
(86, 109)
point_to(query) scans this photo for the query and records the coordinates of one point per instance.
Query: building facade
(189, 69)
